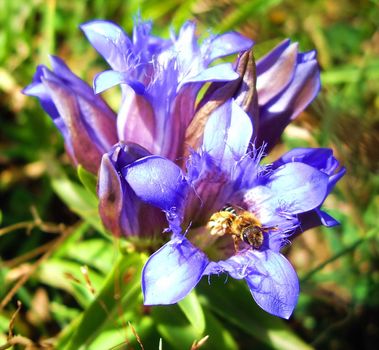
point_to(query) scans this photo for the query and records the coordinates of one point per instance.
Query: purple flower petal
(271, 278)
(112, 199)
(226, 44)
(274, 284)
(118, 205)
(287, 106)
(110, 78)
(227, 135)
(121, 211)
(159, 182)
(267, 61)
(335, 178)
(292, 189)
(70, 108)
(287, 81)
(298, 187)
(302, 90)
(186, 42)
(37, 89)
(85, 120)
(326, 219)
(221, 72)
(314, 218)
(319, 158)
(238, 266)
(275, 72)
(64, 73)
(211, 188)
(136, 121)
(110, 41)
(307, 56)
(172, 272)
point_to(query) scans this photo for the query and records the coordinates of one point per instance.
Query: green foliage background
(80, 288)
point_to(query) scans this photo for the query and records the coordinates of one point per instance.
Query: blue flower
(223, 172)
(165, 160)
(160, 79)
(244, 92)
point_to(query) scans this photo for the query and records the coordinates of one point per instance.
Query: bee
(241, 224)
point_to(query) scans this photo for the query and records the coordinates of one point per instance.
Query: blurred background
(41, 263)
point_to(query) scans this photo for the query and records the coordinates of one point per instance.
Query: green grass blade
(87, 179)
(122, 282)
(191, 307)
(79, 200)
(244, 11)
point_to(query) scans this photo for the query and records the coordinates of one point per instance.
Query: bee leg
(271, 228)
(236, 245)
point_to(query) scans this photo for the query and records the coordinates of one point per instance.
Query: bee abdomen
(229, 208)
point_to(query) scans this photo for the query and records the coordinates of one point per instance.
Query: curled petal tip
(110, 41)
(107, 79)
